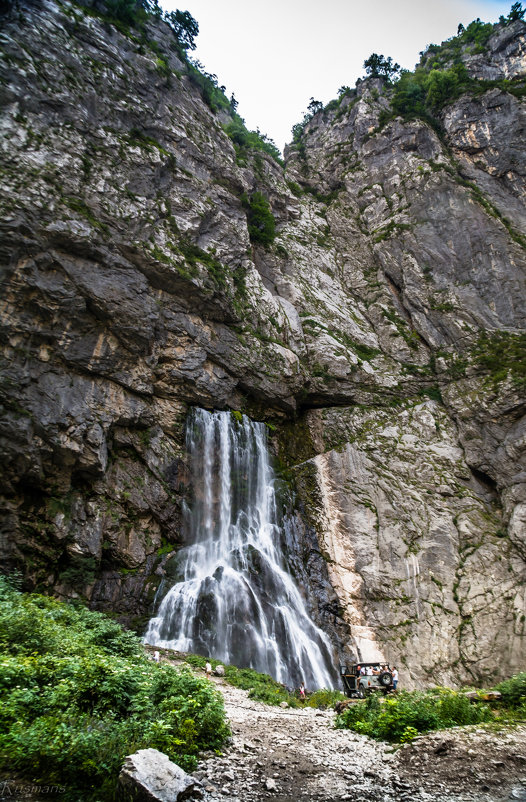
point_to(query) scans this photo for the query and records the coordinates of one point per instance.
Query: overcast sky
(274, 55)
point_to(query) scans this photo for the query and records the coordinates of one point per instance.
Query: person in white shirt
(394, 672)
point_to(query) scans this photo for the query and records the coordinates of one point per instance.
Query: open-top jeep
(363, 678)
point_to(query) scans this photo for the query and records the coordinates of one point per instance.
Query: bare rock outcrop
(382, 335)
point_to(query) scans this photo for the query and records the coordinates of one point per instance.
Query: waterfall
(236, 600)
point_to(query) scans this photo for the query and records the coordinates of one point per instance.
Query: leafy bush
(324, 698)
(441, 77)
(261, 223)
(131, 13)
(245, 140)
(213, 94)
(513, 691)
(421, 93)
(77, 694)
(396, 718)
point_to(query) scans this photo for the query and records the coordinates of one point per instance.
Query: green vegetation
(513, 692)
(263, 688)
(441, 77)
(297, 130)
(245, 140)
(193, 255)
(207, 84)
(497, 354)
(516, 12)
(80, 572)
(380, 67)
(400, 717)
(501, 354)
(261, 223)
(183, 25)
(422, 93)
(77, 694)
(126, 14)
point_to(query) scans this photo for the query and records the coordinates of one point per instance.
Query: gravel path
(288, 755)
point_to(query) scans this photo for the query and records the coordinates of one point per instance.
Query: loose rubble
(296, 755)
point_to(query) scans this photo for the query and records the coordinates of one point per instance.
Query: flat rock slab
(150, 776)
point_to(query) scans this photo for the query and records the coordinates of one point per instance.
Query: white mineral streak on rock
(345, 579)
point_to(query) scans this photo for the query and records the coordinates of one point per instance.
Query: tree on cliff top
(516, 12)
(184, 26)
(134, 14)
(380, 67)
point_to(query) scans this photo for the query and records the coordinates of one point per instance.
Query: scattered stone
(219, 671)
(442, 747)
(270, 784)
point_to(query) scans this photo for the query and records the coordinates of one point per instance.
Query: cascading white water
(236, 600)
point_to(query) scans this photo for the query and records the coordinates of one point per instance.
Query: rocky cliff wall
(382, 335)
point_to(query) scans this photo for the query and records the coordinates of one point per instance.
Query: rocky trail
(288, 755)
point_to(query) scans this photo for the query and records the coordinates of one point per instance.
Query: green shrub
(324, 698)
(213, 95)
(261, 223)
(513, 691)
(77, 694)
(396, 718)
(500, 353)
(245, 140)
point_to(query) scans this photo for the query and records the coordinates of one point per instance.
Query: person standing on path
(302, 692)
(394, 672)
(208, 669)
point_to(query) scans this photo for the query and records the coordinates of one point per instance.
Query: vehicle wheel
(361, 693)
(385, 679)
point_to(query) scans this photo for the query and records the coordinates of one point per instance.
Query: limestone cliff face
(382, 335)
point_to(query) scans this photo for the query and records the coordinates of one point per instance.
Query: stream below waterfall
(236, 599)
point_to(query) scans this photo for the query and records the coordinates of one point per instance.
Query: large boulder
(150, 776)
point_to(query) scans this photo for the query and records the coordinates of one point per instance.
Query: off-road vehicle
(377, 677)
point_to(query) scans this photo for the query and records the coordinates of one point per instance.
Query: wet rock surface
(287, 755)
(131, 291)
